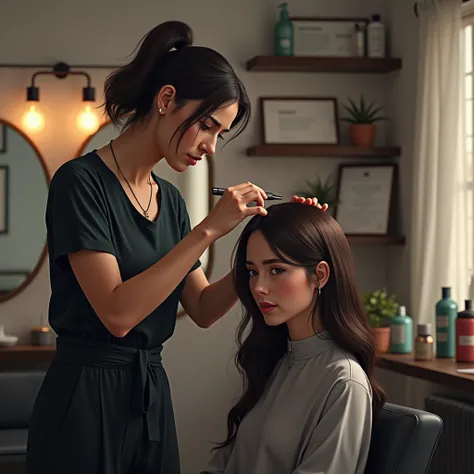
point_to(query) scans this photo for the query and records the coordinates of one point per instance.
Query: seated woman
(305, 351)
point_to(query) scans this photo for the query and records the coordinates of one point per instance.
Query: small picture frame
(3, 138)
(366, 196)
(299, 120)
(3, 199)
(326, 37)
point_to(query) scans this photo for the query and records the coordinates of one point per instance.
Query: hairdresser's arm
(122, 305)
(206, 303)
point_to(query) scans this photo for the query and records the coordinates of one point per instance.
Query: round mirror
(194, 185)
(24, 183)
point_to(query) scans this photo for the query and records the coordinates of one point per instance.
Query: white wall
(199, 362)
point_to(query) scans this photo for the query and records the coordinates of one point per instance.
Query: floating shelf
(376, 240)
(324, 150)
(320, 64)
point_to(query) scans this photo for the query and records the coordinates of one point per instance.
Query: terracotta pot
(362, 134)
(381, 338)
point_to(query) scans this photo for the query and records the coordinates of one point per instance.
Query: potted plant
(325, 191)
(380, 307)
(362, 118)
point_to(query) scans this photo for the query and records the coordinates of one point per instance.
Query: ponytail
(130, 90)
(166, 57)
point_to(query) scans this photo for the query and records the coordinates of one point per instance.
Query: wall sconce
(33, 119)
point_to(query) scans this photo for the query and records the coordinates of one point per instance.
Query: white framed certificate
(365, 198)
(326, 37)
(301, 121)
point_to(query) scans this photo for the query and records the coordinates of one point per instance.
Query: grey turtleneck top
(315, 417)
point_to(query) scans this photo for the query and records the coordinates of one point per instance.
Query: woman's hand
(309, 201)
(231, 209)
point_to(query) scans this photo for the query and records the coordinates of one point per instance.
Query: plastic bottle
(284, 33)
(401, 333)
(446, 313)
(465, 334)
(376, 38)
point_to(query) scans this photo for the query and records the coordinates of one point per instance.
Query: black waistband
(146, 391)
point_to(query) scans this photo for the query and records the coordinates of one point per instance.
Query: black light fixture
(86, 120)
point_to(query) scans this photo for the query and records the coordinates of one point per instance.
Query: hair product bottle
(446, 313)
(284, 33)
(376, 38)
(424, 344)
(401, 332)
(465, 334)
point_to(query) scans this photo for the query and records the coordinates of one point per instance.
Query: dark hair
(299, 235)
(166, 57)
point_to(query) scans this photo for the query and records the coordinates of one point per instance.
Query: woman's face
(199, 140)
(285, 293)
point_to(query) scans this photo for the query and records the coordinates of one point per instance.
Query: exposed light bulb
(33, 120)
(87, 120)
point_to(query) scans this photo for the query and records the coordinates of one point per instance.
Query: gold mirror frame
(42, 257)
(210, 164)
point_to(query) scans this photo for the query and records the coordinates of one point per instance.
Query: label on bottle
(466, 340)
(285, 43)
(442, 336)
(442, 321)
(423, 351)
(398, 334)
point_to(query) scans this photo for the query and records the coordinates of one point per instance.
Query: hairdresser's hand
(231, 209)
(309, 201)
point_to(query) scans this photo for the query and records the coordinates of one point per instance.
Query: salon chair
(403, 441)
(18, 391)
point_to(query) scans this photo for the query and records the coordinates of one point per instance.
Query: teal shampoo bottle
(284, 33)
(446, 313)
(401, 333)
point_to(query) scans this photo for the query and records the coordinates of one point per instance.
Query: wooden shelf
(376, 239)
(324, 150)
(320, 64)
(440, 371)
(27, 353)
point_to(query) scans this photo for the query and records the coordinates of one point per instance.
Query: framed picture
(326, 37)
(299, 120)
(3, 199)
(3, 138)
(366, 195)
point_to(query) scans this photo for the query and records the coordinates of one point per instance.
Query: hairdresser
(122, 256)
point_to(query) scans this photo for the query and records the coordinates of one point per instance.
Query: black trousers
(103, 409)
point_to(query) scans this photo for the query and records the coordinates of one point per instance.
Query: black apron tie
(147, 392)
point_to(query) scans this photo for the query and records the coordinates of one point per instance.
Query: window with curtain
(468, 60)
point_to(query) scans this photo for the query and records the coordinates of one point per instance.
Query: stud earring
(161, 110)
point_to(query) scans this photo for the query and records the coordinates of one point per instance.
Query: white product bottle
(359, 41)
(375, 38)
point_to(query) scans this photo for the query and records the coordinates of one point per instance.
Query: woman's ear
(322, 273)
(165, 97)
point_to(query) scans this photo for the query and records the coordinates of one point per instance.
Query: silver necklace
(145, 211)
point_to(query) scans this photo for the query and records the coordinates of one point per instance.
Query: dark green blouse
(88, 209)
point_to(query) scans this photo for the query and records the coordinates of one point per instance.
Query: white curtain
(439, 243)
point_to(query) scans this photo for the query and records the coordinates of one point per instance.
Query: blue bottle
(401, 333)
(446, 314)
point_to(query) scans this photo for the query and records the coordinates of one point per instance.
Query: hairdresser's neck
(304, 326)
(136, 152)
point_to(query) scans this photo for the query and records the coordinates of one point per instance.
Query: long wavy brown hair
(300, 235)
